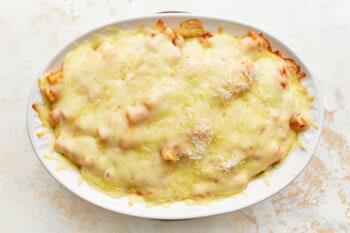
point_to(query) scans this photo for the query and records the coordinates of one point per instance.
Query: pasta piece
(298, 122)
(136, 115)
(55, 77)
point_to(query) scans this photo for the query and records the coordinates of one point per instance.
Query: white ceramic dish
(256, 191)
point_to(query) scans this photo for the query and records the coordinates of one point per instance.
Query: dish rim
(157, 16)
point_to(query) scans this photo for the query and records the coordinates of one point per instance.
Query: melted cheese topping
(170, 118)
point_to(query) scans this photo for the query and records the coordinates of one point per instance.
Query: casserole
(256, 190)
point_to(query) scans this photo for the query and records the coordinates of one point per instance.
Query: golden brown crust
(289, 61)
(52, 79)
(298, 122)
(269, 48)
(191, 28)
(252, 35)
(51, 95)
(55, 77)
(36, 107)
(160, 24)
(170, 153)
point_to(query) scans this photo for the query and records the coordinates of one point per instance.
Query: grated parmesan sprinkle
(233, 162)
(201, 136)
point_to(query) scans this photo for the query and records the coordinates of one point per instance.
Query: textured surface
(33, 31)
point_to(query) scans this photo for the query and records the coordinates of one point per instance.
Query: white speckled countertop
(31, 32)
